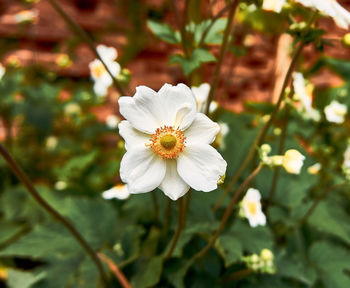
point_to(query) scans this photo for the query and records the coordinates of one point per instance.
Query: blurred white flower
(51, 143)
(112, 121)
(27, 16)
(119, 191)
(99, 74)
(220, 138)
(330, 8)
(72, 109)
(314, 169)
(2, 71)
(293, 161)
(107, 54)
(61, 185)
(304, 94)
(168, 143)
(252, 208)
(201, 94)
(335, 112)
(273, 5)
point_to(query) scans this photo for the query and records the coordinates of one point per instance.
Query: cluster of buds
(292, 160)
(262, 263)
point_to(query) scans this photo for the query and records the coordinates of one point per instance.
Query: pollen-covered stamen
(167, 142)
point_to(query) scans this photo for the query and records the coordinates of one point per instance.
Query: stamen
(167, 142)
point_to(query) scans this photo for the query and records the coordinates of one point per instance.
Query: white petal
(179, 104)
(253, 195)
(100, 88)
(201, 166)
(142, 170)
(133, 138)
(173, 186)
(114, 68)
(144, 111)
(202, 130)
(107, 53)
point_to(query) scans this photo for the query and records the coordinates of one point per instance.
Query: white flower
(330, 8)
(51, 143)
(335, 112)
(72, 109)
(112, 121)
(2, 71)
(107, 54)
(273, 5)
(26, 16)
(201, 94)
(252, 208)
(102, 79)
(314, 169)
(167, 143)
(61, 185)
(220, 138)
(119, 191)
(305, 96)
(293, 161)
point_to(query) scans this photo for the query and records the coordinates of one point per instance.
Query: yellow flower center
(98, 70)
(167, 142)
(252, 208)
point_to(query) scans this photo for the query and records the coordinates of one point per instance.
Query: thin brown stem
(155, 206)
(228, 212)
(318, 200)
(86, 38)
(280, 151)
(119, 275)
(224, 46)
(216, 17)
(262, 133)
(178, 229)
(237, 275)
(187, 206)
(182, 25)
(46, 206)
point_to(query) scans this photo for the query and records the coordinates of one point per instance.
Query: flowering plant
(171, 180)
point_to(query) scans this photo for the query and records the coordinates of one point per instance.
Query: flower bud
(266, 255)
(346, 40)
(293, 161)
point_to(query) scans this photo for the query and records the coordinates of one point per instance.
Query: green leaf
(176, 272)
(292, 267)
(327, 219)
(253, 240)
(198, 57)
(214, 35)
(339, 66)
(332, 261)
(9, 230)
(21, 279)
(230, 249)
(149, 273)
(164, 32)
(76, 166)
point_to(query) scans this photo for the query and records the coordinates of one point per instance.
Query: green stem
(155, 206)
(181, 25)
(280, 151)
(180, 222)
(223, 50)
(228, 212)
(187, 206)
(262, 133)
(86, 38)
(237, 275)
(41, 201)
